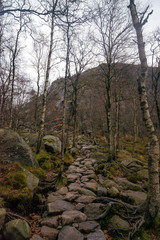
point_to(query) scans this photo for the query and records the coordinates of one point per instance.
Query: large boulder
(17, 230)
(52, 144)
(14, 149)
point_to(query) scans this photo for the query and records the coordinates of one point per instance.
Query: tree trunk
(152, 205)
(44, 100)
(37, 96)
(134, 127)
(65, 92)
(13, 75)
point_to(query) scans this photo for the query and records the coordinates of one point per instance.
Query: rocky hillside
(91, 102)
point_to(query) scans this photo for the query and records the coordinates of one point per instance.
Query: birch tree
(152, 203)
(48, 68)
(112, 33)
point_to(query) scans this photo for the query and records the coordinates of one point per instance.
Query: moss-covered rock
(17, 230)
(52, 144)
(118, 223)
(2, 217)
(15, 149)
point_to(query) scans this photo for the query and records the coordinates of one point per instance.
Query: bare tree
(152, 203)
(112, 34)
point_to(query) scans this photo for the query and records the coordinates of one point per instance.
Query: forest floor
(96, 199)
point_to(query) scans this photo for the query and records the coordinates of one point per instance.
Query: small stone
(98, 235)
(52, 197)
(113, 192)
(135, 197)
(70, 233)
(50, 222)
(69, 217)
(50, 233)
(17, 230)
(85, 199)
(72, 177)
(87, 227)
(59, 206)
(73, 187)
(84, 179)
(36, 237)
(63, 191)
(91, 186)
(101, 191)
(93, 210)
(85, 191)
(80, 206)
(75, 225)
(70, 196)
(117, 222)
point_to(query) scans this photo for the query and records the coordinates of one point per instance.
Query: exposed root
(137, 226)
(103, 215)
(13, 216)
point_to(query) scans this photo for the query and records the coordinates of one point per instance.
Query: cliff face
(91, 114)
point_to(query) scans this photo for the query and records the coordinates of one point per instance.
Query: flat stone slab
(50, 222)
(101, 191)
(98, 235)
(69, 217)
(52, 197)
(50, 233)
(62, 191)
(85, 199)
(70, 196)
(73, 187)
(85, 191)
(70, 233)
(135, 197)
(36, 237)
(91, 186)
(87, 227)
(59, 206)
(93, 210)
(118, 223)
(125, 183)
(72, 177)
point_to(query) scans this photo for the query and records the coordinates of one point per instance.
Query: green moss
(47, 166)
(43, 156)
(50, 140)
(13, 188)
(16, 179)
(62, 181)
(68, 159)
(38, 172)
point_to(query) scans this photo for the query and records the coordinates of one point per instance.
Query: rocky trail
(71, 212)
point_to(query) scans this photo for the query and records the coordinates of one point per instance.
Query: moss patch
(14, 192)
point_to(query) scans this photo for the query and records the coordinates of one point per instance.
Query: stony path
(70, 210)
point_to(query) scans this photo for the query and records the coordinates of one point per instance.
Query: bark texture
(44, 100)
(152, 205)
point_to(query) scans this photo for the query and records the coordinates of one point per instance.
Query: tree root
(130, 211)
(137, 226)
(13, 216)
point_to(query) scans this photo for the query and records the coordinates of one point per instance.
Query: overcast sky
(154, 19)
(153, 22)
